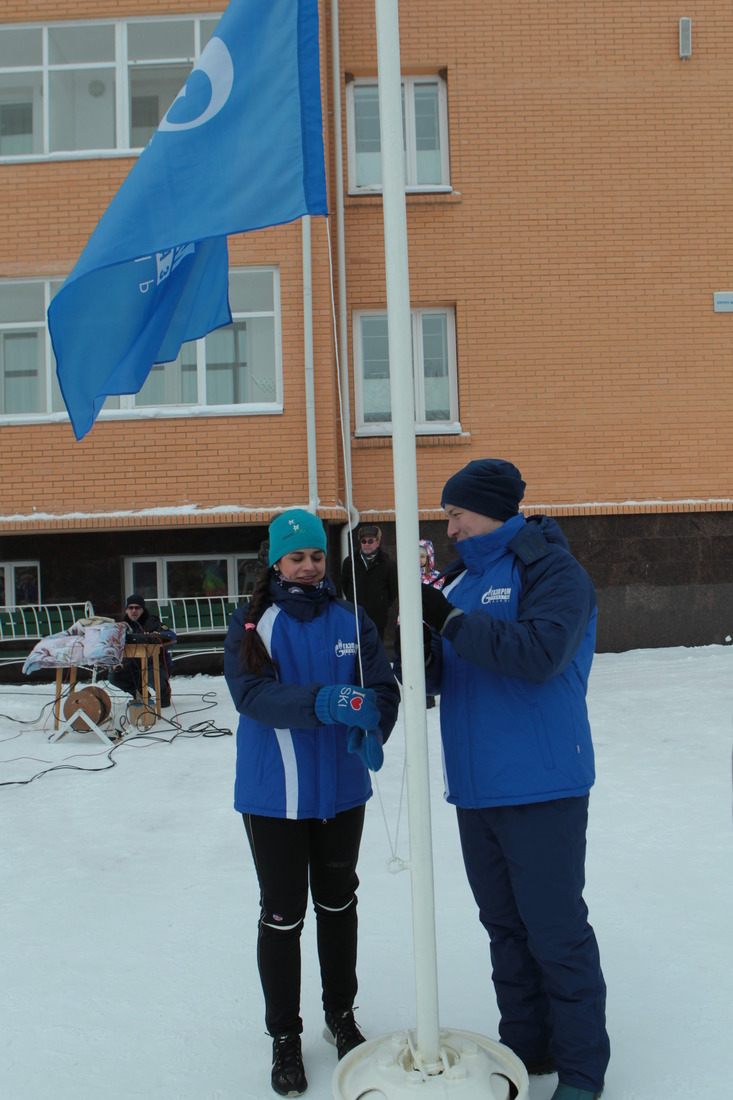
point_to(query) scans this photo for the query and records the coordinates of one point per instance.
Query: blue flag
(240, 148)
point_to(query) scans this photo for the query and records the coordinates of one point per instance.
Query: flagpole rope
(342, 429)
(395, 863)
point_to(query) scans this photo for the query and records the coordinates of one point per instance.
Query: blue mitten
(368, 745)
(354, 706)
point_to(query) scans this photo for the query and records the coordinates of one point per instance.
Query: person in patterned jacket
(428, 573)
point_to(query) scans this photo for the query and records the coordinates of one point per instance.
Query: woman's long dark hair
(253, 652)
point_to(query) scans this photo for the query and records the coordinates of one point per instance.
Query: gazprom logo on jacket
(497, 595)
(345, 649)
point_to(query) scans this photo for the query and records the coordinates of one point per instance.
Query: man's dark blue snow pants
(526, 868)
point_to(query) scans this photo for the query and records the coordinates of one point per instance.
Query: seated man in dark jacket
(128, 675)
(376, 577)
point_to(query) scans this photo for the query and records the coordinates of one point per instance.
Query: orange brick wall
(212, 465)
(590, 224)
(245, 461)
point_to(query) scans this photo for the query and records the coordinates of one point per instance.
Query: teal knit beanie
(295, 530)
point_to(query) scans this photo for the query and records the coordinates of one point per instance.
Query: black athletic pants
(286, 855)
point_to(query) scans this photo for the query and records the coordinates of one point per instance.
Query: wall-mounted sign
(723, 301)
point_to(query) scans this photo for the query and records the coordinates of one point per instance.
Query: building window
(239, 365)
(159, 61)
(234, 369)
(27, 386)
(434, 372)
(16, 126)
(20, 583)
(424, 129)
(231, 577)
(107, 84)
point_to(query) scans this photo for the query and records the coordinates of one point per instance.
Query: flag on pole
(240, 148)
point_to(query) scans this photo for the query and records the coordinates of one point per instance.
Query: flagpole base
(471, 1067)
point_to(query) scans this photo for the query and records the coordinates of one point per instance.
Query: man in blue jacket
(517, 620)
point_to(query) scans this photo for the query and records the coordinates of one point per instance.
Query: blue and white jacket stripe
(288, 764)
(512, 671)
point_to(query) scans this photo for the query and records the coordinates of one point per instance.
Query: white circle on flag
(216, 63)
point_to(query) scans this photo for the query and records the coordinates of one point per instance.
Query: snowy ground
(128, 902)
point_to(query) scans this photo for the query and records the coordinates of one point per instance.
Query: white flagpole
(407, 527)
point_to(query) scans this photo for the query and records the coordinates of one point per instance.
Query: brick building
(570, 220)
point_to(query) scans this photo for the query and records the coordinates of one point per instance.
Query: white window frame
(14, 98)
(122, 67)
(9, 569)
(452, 425)
(127, 403)
(161, 565)
(124, 407)
(408, 88)
(40, 325)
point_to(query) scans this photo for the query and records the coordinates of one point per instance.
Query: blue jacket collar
(477, 552)
(302, 603)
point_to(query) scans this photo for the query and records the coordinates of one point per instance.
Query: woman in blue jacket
(516, 620)
(317, 698)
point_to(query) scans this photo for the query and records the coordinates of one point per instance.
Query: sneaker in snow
(342, 1032)
(288, 1071)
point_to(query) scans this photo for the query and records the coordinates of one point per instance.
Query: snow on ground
(128, 901)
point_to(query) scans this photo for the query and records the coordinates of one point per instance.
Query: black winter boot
(341, 1030)
(288, 1071)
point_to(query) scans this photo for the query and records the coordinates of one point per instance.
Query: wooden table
(142, 651)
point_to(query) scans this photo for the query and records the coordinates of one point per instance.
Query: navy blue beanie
(488, 486)
(135, 599)
(295, 529)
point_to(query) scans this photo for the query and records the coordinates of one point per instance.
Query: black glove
(427, 643)
(435, 607)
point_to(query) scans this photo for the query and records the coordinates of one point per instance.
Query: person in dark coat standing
(376, 577)
(515, 630)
